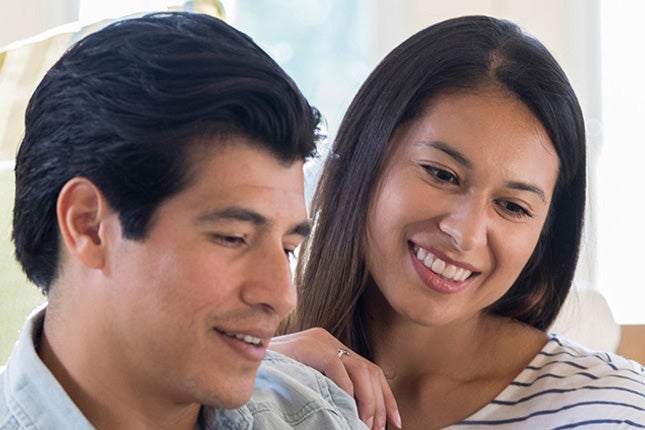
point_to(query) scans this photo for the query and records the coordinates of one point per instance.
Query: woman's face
(460, 206)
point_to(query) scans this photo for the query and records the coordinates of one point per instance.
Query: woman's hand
(358, 376)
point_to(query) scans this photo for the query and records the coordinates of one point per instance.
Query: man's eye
(441, 175)
(230, 241)
(291, 255)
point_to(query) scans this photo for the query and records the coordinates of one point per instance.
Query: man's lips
(247, 338)
(249, 344)
(259, 337)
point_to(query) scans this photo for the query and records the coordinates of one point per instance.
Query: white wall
(21, 19)
(620, 166)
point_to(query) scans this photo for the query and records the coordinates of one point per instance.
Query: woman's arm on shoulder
(359, 377)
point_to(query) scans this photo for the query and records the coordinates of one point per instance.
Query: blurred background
(329, 47)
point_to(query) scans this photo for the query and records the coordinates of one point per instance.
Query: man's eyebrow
(303, 229)
(451, 152)
(523, 186)
(238, 213)
(234, 213)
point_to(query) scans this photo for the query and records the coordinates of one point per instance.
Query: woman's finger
(365, 389)
(391, 408)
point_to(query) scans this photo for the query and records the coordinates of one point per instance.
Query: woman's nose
(466, 224)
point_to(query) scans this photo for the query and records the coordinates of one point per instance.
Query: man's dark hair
(124, 106)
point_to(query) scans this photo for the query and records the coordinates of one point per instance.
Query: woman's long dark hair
(462, 53)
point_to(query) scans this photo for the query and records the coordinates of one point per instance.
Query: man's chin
(236, 397)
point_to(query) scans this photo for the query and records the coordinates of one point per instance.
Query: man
(159, 197)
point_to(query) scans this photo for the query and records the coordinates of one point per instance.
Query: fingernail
(397, 419)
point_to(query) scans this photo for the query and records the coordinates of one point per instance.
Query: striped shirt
(568, 386)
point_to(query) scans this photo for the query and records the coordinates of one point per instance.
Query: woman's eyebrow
(451, 152)
(523, 186)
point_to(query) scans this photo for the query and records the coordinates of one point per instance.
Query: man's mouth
(246, 338)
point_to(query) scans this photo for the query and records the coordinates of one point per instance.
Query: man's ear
(82, 209)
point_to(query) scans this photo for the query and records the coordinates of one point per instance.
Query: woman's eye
(514, 209)
(441, 174)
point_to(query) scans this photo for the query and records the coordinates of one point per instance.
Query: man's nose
(269, 283)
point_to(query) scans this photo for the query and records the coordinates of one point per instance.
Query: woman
(447, 231)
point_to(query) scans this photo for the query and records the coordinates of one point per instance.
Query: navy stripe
(550, 363)
(553, 375)
(588, 375)
(547, 412)
(544, 375)
(579, 366)
(574, 354)
(588, 423)
(557, 340)
(609, 362)
(604, 359)
(565, 390)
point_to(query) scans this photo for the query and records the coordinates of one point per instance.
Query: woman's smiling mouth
(440, 267)
(441, 275)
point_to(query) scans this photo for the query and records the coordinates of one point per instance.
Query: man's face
(194, 305)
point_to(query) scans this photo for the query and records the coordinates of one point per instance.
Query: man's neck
(107, 398)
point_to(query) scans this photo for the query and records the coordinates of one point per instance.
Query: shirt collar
(31, 387)
(37, 398)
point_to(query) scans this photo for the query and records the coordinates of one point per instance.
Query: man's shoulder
(279, 373)
(299, 397)
(279, 367)
(4, 411)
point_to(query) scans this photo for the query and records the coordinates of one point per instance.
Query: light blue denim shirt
(288, 395)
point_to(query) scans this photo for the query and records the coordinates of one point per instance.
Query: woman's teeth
(441, 268)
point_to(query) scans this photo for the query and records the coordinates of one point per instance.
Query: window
(325, 45)
(620, 182)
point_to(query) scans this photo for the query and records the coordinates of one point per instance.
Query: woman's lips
(439, 275)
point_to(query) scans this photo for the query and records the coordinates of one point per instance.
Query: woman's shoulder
(573, 359)
(568, 385)
(571, 374)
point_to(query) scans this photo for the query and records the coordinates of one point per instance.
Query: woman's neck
(441, 375)
(415, 349)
